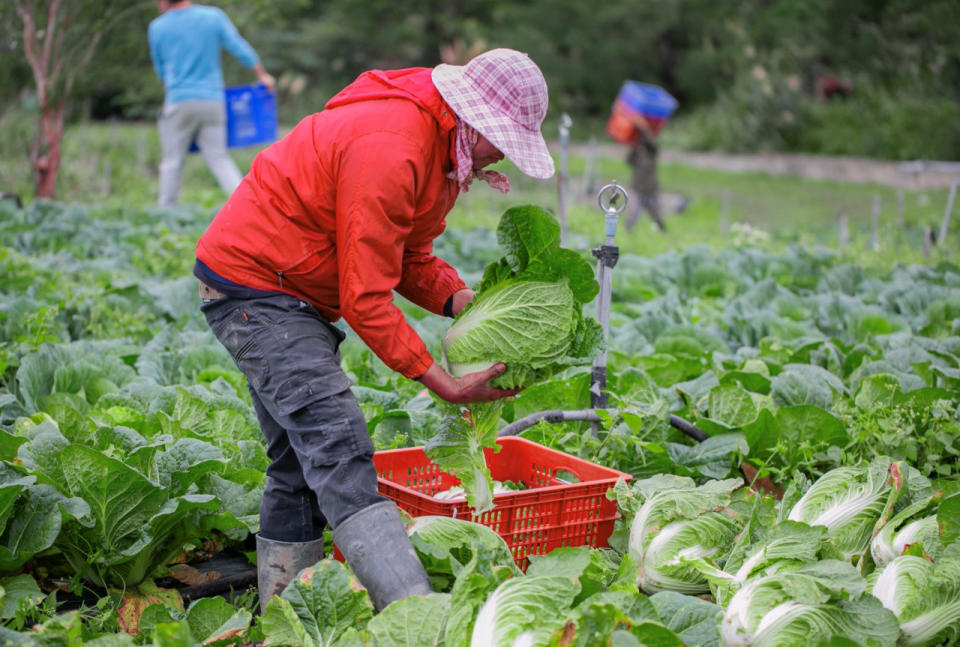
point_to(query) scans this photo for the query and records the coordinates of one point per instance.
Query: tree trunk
(45, 150)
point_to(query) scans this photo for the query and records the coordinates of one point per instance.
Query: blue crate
(648, 100)
(251, 116)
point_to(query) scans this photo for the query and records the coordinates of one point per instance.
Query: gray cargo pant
(181, 123)
(321, 466)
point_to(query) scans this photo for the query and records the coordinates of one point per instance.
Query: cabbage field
(822, 509)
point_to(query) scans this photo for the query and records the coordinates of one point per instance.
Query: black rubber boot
(379, 552)
(278, 562)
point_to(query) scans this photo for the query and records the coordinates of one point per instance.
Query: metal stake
(900, 207)
(564, 127)
(875, 224)
(725, 213)
(612, 200)
(942, 238)
(588, 168)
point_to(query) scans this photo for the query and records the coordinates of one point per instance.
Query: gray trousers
(181, 123)
(643, 158)
(321, 468)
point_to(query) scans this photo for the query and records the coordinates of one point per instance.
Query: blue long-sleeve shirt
(185, 48)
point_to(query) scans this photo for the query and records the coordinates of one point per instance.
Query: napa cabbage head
(676, 525)
(528, 326)
(445, 545)
(913, 530)
(924, 595)
(812, 604)
(847, 501)
(787, 545)
(527, 314)
(852, 501)
(524, 611)
(528, 309)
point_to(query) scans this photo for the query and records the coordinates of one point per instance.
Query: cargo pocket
(240, 339)
(328, 427)
(252, 363)
(300, 391)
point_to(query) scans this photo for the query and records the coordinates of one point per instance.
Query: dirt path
(911, 175)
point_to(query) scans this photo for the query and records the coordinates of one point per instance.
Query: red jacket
(344, 209)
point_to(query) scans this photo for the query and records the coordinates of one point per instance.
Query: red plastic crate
(623, 129)
(551, 513)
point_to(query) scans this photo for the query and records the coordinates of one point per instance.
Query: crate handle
(569, 470)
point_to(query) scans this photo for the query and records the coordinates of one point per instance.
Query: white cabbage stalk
(890, 544)
(523, 611)
(847, 501)
(924, 596)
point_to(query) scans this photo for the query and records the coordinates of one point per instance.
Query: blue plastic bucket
(635, 100)
(251, 116)
(649, 100)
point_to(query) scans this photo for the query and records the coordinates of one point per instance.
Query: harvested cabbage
(528, 314)
(528, 309)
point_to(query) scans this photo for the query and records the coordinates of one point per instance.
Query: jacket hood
(412, 83)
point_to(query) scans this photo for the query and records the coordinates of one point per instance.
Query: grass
(116, 164)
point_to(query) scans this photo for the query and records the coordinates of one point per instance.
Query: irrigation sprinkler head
(612, 199)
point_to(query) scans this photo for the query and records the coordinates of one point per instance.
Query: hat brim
(524, 147)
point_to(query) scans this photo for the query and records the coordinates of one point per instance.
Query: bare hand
(268, 80)
(461, 298)
(264, 77)
(473, 387)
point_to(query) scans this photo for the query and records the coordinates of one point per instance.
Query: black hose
(688, 428)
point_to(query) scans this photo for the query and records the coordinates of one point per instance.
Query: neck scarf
(465, 139)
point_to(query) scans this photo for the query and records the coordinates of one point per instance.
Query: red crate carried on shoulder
(565, 502)
(650, 103)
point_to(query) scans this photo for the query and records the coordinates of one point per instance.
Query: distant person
(643, 158)
(185, 42)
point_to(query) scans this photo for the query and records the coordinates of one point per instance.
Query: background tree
(58, 38)
(746, 72)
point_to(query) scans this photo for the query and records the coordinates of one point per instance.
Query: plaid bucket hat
(503, 95)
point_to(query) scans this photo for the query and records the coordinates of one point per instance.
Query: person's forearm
(474, 387)
(460, 300)
(263, 76)
(439, 381)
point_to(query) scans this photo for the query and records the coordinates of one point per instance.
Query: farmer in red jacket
(330, 221)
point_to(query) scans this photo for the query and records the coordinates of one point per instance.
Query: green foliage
(746, 75)
(798, 362)
(321, 606)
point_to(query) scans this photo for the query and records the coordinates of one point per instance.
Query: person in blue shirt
(185, 42)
